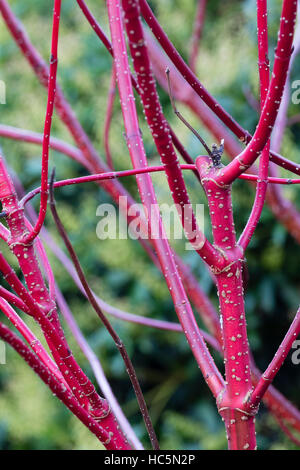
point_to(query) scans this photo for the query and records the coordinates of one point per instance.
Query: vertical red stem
(48, 122)
(276, 363)
(138, 157)
(160, 130)
(232, 404)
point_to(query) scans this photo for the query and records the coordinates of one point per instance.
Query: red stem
(273, 99)
(118, 342)
(97, 369)
(92, 20)
(139, 171)
(264, 79)
(13, 299)
(282, 120)
(199, 88)
(48, 122)
(138, 157)
(197, 33)
(160, 130)
(24, 253)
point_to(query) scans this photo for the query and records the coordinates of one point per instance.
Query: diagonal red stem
(264, 78)
(48, 122)
(138, 157)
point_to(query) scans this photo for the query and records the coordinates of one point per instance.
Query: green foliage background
(118, 270)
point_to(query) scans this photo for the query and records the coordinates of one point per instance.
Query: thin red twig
(97, 369)
(48, 122)
(138, 157)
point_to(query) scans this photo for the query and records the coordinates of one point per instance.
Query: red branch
(198, 87)
(33, 342)
(37, 139)
(264, 77)
(276, 363)
(197, 33)
(140, 171)
(160, 129)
